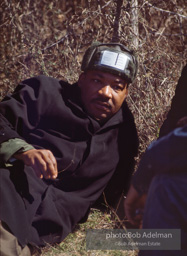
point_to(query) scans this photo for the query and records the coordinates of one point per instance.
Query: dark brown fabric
(49, 114)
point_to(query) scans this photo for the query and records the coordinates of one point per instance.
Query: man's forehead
(102, 74)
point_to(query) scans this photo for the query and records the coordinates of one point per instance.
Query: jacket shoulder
(41, 84)
(40, 80)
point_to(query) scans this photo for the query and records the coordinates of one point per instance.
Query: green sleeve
(11, 146)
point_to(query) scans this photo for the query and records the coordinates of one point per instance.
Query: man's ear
(81, 79)
(127, 91)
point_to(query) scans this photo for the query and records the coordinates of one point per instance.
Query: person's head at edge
(108, 69)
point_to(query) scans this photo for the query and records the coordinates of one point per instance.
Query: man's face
(102, 93)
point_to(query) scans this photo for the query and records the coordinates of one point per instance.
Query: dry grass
(50, 37)
(75, 243)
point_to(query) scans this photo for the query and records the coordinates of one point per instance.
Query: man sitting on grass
(62, 145)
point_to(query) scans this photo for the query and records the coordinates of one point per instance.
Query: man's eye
(96, 80)
(118, 88)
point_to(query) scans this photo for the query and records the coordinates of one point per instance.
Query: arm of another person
(166, 155)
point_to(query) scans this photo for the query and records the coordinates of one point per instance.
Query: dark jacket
(167, 155)
(48, 114)
(178, 106)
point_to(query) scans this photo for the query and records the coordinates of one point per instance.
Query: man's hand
(182, 121)
(41, 160)
(134, 205)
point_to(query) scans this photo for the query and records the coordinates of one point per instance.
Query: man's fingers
(134, 217)
(38, 173)
(54, 166)
(49, 166)
(42, 161)
(130, 213)
(134, 205)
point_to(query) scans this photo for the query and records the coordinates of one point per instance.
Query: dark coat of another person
(178, 106)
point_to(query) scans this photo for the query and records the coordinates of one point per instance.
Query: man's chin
(102, 118)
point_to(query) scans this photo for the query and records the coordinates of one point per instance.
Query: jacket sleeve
(6, 130)
(10, 147)
(166, 155)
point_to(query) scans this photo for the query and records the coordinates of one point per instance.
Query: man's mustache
(103, 101)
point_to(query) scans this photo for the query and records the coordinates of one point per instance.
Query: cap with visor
(114, 58)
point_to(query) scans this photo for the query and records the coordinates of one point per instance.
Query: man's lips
(102, 105)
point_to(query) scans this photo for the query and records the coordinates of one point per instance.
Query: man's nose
(106, 91)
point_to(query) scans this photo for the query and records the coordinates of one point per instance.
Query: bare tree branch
(134, 22)
(115, 37)
(159, 9)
